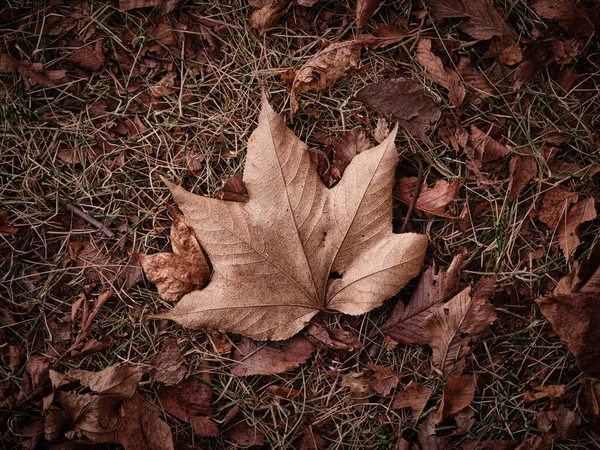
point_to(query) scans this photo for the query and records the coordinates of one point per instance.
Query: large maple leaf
(296, 247)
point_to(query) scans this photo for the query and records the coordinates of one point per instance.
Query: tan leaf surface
(364, 11)
(458, 394)
(120, 380)
(273, 256)
(325, 68)
(555, 206)
(570, 15)
(484, 21)
(451, 330)
(175, 274)
(405, 100)
(383, 380)
(359, 384)
(384, 35)
(415, 396)
(432, 201)
(568, 230)
(435, 71)
(269, 359)
(268, 15)
(553, 391)
(405, 324)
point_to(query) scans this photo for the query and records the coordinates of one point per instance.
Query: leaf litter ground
(101, 98)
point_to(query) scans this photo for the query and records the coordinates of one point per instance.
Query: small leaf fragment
(270, 359)
(414, 396)
(458, 394)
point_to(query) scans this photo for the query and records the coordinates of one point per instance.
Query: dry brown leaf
(464, 421)
(427, 436)
(383, 380)
(432, 201)
(246, 435)
(382, 130)
(405, 100)
(346, 148)
(484, 21)
(506, 50)
(364, 11)
(87, 56)
(175, 274)
(312, 440)
(384, 35)
(168, 364)
(405, 324)
(274, 256)
(553, 392)
(121, 381)
(233, 190)
(142, 428)
(325, 68)
(190, 398)
(435, 71)
(162, 6)
(269, 359)
(522, 169)
(576, 320)
(165, 86)
(359, 384)
(485, 148)
(204, 427)
(555, 206)
(452, 329)
(283, 392)
(458, 394)
(324, 337)
(474, 79)
(568, 230)
(570, 15)
(414, 396)
(268, 15)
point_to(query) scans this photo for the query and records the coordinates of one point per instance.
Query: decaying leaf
(437, 73)
(325, 68)
(142, 427)
(576, 320)
(414, 396)
(405, 324)
(432, 201)
(269, 359)
(162, 6)
(188, 399)
(568, 230)
(485, 148)
(555, 206)
(175, 274)
(506, 50)
(364, 11)
(523, 168)
(359, 384)
(204, 427)
(169, 365)
(571, 15)
(458, 394)
(268, 15)
(346, 148)
(383, 380)
(233, 190)
(462, 321)
(473, 79)
(405, 100)
(119, 380)
(553, 391)
(246, 435)
(384, 35)
(274, 256)
(484, 21)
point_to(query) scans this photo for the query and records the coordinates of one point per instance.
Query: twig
(416, 194)
(89, 219)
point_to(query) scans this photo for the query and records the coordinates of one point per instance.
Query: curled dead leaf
(437, 73)
(414, 396)
(458, 394)
(269, 359)
(432, 201)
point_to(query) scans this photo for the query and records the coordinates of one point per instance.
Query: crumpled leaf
(364, 11)
(383, 379)
(359, 384)
(169, 365)
(233, 190)
(451, 330)
(405, 100)
(273, 256)
(384, 35)
(175, 274)
(246, 435)
(570, 15)
(555, 206)
(523, 168)
(484, 21)
(188, 399)
(346, 148)
(568, 230)
(415, 397)
(485, 148)
(268, 14)
(269, 359)
(433, 201)
(405, 324)
(506, 50)
(436, 72)
(458, 394)
(143, 428)
(553, 391)
(162, 6)
(325, 68)
(120, 380)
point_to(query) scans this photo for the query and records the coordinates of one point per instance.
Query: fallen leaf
(36, 370)
(474, 79)
(165, 86)
(506, 50)
(268, 15)
(458, 394)
(555, 206)
(384, 35)
(7, 227)
(576, 320)
(325, 68)
(570, 15)
(87, 56)
(464, 421)
(188, 399)
(383, 380)
(178, 273)
(143, 428)
(405, 324)
(346, 148)
(273, 256)
(485, 148)
(246, 435)
(415, 396)
(405, 100)
(522, 169)
(382, 130)
(121, 380)
(568, 230)
(553, 392)
(432, 201)
(359, 384)
(233, 190)
(31, 435)
(269, 359)
(312, 440)
(204, 427)
(364, 11)
(283, 392)
(435, 71)
(322, 336)
(168, 364)
(427, 436)
(452, 329)
(162, 6)
(484, 21)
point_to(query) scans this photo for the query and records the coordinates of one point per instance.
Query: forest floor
(99, 99)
